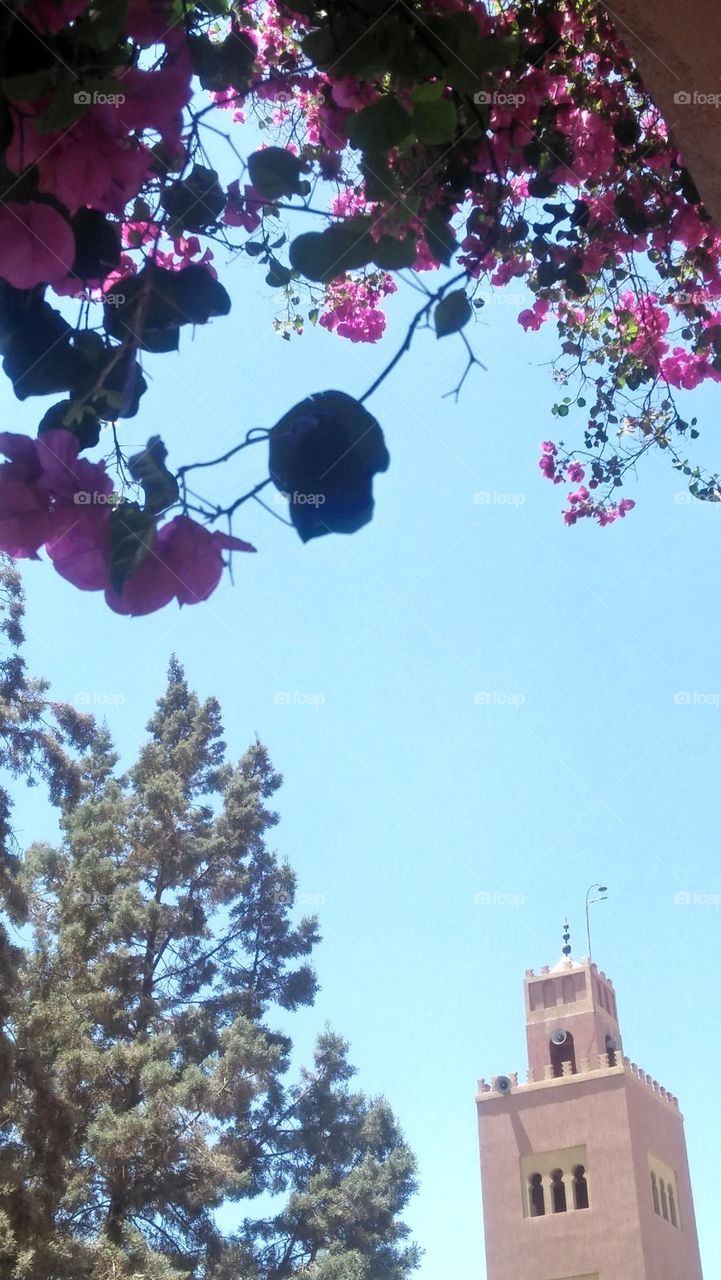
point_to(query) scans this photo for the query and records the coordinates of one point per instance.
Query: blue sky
(479, 704)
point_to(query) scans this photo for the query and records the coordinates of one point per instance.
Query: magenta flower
(37, 245)
(44, 490)
(575, 472)
(533, 318)
(186, 564)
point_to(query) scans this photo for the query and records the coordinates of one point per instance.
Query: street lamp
(602, 892)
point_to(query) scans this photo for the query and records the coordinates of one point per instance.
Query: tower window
(536, 1196)
(553, 1181)
(562, 1050)
(664, 1192)
(558, 1191)
(654, 1193)
(549, 994)
(611, 1049)
(580, 1187)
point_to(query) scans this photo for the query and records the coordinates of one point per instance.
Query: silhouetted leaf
(324, 454)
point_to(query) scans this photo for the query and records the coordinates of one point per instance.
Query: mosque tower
(584, 1167)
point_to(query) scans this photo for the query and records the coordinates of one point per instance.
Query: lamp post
(602, 892)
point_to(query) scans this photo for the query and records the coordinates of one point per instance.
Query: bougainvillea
(458, 144)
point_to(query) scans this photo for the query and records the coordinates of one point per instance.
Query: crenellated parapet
(585, 1069)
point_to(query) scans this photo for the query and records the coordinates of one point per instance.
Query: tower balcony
(586, 1069)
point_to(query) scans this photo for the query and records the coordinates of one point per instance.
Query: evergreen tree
(151, 1086)
(38, 741)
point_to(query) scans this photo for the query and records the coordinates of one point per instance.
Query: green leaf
(26, 88)
(278, 276)
(353, 48)
(69, 416)
(223, 64)
(68, 104)
(106, 23)
(434, 120)
(132, 534)
(391, 254)
(148, 469)
(440, 236)
(274, 172)
(324, 255)
(452, 313)
(195, 202)
(324, 454)
(381, 126)
(156, 302)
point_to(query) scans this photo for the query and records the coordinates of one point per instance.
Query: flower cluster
(352, 307)
(546, 168)
(51, 498)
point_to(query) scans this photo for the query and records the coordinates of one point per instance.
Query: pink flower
(243, 211)
(147, 21)
(185, 563)
(593, 143)
(683, 369)
(53, 15)
(575, 472)
(547, 446)
(352, 307)
(155, 99)
(534, 317)
(39, 490)
(81, 552)
(96, 164)
(37, 245)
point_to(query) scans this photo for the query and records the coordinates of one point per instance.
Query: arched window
(536, 1197)
(654, 1193)
(558, 1191)
(580, 1187)
(672, 1207)
(664, 1201)
(549, 994)
(568, 990)
(562, 1050)
(611, 1048)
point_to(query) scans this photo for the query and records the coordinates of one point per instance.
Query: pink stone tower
(584, 1167)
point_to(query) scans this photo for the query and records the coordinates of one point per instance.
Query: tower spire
(566, 939)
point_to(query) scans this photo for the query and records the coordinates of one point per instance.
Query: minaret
(584, 1167)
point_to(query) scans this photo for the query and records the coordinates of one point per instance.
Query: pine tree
(152, 1086)
(39, 739)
